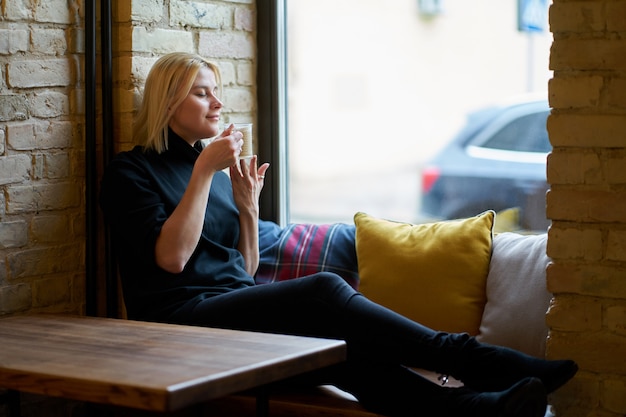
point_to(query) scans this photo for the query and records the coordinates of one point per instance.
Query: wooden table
(149, 366)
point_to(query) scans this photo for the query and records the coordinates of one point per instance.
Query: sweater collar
(180, 146)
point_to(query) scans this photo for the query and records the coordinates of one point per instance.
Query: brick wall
(41, 157)
(587, 203)
(42, 207)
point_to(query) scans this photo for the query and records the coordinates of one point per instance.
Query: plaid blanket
(298, 250)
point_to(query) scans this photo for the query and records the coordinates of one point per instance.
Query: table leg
(263, 402)
(13, 401)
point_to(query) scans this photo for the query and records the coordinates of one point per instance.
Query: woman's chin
(211, 133)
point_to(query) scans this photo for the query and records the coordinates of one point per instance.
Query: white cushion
(517, 295)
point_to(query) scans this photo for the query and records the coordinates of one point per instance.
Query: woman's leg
(323, 305)
(397, 391)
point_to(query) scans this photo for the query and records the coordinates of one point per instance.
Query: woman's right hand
(223, 151)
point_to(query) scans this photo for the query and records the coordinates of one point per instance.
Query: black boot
(484, 367)
(397, 391)
(526, 398)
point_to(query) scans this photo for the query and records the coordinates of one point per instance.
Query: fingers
(246, 169)
(235, 138)
(230, 131)
(262, 170)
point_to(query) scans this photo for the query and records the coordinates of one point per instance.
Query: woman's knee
(332, 284)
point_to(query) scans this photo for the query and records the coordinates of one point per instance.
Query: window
(375, 89)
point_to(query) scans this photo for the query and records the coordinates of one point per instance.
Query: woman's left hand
(248, 181)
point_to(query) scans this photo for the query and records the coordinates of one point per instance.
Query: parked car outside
(497, 161)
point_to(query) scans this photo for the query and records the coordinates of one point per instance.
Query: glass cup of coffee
(246, 130)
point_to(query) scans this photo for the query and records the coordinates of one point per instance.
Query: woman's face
(197, 117)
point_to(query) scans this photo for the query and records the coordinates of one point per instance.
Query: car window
(527, 133)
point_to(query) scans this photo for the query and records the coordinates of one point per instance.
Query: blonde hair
(168, 83)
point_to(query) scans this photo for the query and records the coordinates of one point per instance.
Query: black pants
(381, 343)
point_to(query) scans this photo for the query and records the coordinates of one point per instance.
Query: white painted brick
(140, 67)
(38, 167)
(33, 198)
(13, 40)
(57, 165)
(228, 73)
(54, 134)
(40, 73)
(52, 11)
(245, 19)
(246, 74)
(147, 10)
(15, 169)
(17, 10)
(49, 104)
(235, 45)
(13, 234)
(161, 41)
(199, 14)
(3, 86)
(239, 100)
(21, 136)
(49, 41)
(2, 141)
(13, 107)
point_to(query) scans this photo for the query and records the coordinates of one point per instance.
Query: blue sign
(532, 15)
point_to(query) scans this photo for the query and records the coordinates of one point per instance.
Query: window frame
(272, 107)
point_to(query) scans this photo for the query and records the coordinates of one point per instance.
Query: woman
(186, 237)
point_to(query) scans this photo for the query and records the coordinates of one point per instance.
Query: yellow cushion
(433, 273)
(507, 220)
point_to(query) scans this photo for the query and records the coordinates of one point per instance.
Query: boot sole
(527, 399)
